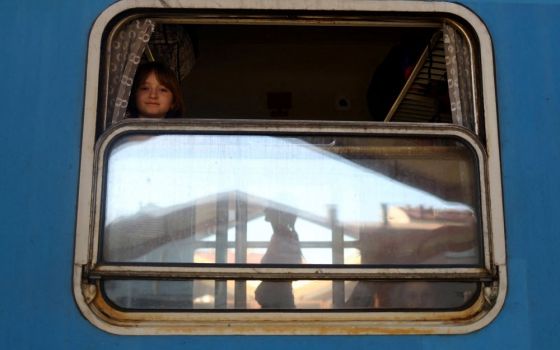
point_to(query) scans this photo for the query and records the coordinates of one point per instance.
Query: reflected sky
(169, 170)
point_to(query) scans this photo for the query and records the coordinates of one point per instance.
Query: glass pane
(328, 200)
(289, 295)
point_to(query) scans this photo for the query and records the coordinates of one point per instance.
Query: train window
(335, 172)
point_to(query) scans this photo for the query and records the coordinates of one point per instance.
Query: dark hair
(167, 78)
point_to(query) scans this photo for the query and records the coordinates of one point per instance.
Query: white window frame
(100, 313)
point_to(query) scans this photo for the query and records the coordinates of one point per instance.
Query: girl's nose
(153, 93)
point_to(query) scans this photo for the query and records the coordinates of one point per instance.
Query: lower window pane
(289, 295)
(329, 200)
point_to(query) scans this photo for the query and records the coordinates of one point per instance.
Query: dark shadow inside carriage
(349, 73)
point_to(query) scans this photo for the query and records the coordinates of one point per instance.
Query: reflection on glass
(239, 199)
(288, 295)
(412, 295)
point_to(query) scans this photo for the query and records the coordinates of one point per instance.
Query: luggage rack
(420, 100)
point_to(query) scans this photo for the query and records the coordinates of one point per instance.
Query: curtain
(459, 75)
(125, 53)
(172, 45)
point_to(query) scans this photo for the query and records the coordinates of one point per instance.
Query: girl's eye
(144, 88)
(163, 89)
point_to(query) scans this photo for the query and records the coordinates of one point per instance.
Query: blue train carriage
(337, 171)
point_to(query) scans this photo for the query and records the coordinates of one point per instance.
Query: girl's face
(153, 100)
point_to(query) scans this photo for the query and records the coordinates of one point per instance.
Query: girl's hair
(167, 78)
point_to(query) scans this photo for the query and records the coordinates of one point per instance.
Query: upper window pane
(402, 73)
(257, 199)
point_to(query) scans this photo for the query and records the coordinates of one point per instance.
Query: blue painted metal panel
(527, 52)
(43, 56)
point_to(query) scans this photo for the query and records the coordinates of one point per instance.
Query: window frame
(87, 271)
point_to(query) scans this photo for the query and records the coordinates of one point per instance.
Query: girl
(155, 93)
